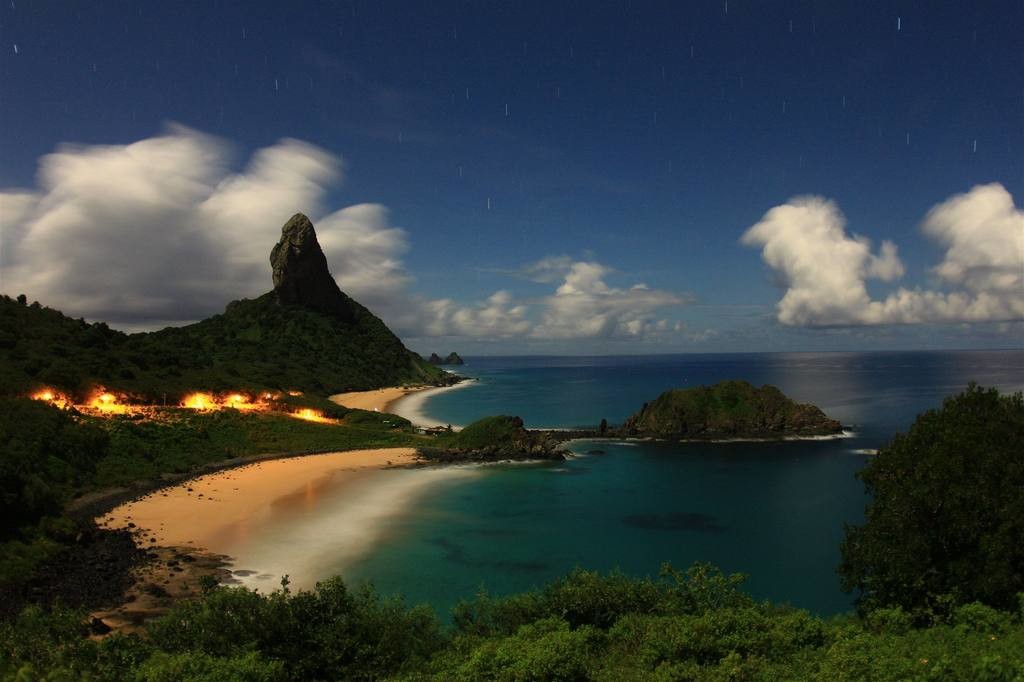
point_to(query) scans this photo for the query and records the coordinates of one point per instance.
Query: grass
(184, 440)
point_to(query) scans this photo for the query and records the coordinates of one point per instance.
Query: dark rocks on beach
(495, 439)
(492, 454)
(98, 627)
(91, 572)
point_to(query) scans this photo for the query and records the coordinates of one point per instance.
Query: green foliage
(329, 633)
(45, 454)
(486, 432)
(693, 625)
(589, 598)
(547, 649)
(728, 408)
(144, 450)
(197, 667)
(255, 345)
(946, 522)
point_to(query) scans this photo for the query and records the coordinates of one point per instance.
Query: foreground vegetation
(938, 566)
(697, 625)
(946, 522)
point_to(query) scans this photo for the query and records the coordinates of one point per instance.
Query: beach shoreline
(404, 401)
(195, 512)
(187, 528)
(410, 405)
(376, 400)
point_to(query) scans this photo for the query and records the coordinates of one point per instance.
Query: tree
(946, 522)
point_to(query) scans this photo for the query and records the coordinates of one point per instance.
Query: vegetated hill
(305, 335)
(494, 438)
(729, 409)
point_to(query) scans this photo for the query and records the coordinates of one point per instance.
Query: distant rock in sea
(452, 359)
(729, 409)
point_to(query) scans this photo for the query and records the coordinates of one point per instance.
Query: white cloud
(496, 318)
(984, 235)
(148, 230)
(162, 231)
(584, 306)
(546, 270)
(825, 270)
(364, 253)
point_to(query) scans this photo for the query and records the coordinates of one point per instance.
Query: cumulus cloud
(584, 306)
(163, 231)
(983, 233)
(147, 230)
(825, 270)
(365, 253)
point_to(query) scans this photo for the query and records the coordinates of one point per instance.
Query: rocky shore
(495, 439)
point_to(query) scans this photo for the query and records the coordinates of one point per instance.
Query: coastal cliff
(729, 409)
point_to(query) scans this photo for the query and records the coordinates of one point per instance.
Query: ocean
(774, 511)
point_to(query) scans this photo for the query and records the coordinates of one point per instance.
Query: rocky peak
(301, 276)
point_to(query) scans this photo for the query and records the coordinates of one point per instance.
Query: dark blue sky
(647, 137)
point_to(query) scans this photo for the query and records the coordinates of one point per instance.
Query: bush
(946, 522)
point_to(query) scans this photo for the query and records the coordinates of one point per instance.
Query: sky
(529, 178)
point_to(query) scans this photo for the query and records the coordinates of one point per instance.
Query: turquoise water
(772, 510)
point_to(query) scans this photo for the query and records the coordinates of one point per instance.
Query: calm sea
(774, 511)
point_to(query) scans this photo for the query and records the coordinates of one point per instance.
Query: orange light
(294, 393)
(200, 401)
(239, 402)
(50, 396)
(309, 415)
(107, 402)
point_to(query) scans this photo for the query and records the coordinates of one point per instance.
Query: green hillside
(255, 345)
(305, 335)
(727, 409)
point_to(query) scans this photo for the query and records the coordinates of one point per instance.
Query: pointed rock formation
(452, 359)
(301, 276)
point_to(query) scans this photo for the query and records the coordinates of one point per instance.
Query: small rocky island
(494, 439)
(451, 359)
(729, 409)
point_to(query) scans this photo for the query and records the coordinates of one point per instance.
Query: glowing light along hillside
(104, 403)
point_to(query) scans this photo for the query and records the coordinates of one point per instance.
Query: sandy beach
(410, 406)
(377, 400)
(403, 401)
(211, 512)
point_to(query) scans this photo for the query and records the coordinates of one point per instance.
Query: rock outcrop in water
(301, 276)
(493, 439)
(451, 359)
(729, 409)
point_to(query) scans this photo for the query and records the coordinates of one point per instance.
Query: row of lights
(107, 403)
